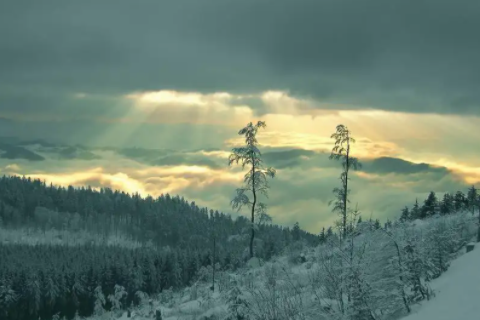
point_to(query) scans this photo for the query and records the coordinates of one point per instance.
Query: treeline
(450, 203)
(163, 221)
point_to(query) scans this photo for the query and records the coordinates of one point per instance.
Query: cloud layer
(301, 191)
(397, 55)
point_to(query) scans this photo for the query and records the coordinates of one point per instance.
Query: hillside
(304, 283)
(58, 245)
(456, 292)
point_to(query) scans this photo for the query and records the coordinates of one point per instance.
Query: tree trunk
(213, 263)
(253, 223)
(253, 208)
(345, 192)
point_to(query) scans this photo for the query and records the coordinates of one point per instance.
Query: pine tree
(255, 179)
(429, 207)
(329, 233)
(385, 273)
(440, 244)
(117, 299)
(388, 224)
(342, 151)
(322, 235)
(415, 212)
(415, 268)
(459, 201)
(405, 216)
(100, 301)
(33, 292)
(296, 232)
(473, 199)
(8, 298)
(447, 204)
(51, 291)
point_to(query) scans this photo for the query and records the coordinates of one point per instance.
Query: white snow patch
(457, 292)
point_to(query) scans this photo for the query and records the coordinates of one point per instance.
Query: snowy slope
(457, 292)
(298, 288)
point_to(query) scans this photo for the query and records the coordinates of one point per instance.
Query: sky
(149, 96)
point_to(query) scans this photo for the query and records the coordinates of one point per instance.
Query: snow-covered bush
(295, 252)
(117, 299)
(99, 303)
(7, 298)
(238, 305)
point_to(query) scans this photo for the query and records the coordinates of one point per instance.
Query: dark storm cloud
(39, 149)
(12, 151)
(44, 103)
(402, 54)
(385, 165)
(40, 142)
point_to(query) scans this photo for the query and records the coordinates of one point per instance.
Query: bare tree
(342, 151)
(255, 179)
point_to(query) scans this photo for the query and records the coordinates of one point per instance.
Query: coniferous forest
(174, 240)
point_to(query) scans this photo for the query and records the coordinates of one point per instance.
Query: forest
(174, 237)
(174, 240)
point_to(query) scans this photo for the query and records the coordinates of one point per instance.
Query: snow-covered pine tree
(332, 274)
(342, 151)
(118, 298)
(255, 179)
(439, 244)
(389, 271)
(7, 298)
(416, 270)
(237, 304)
(51, 291)
(136, 276)
(33, 293)
(100, 301)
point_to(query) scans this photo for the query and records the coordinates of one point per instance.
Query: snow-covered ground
(457, 292)
(299, 289)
